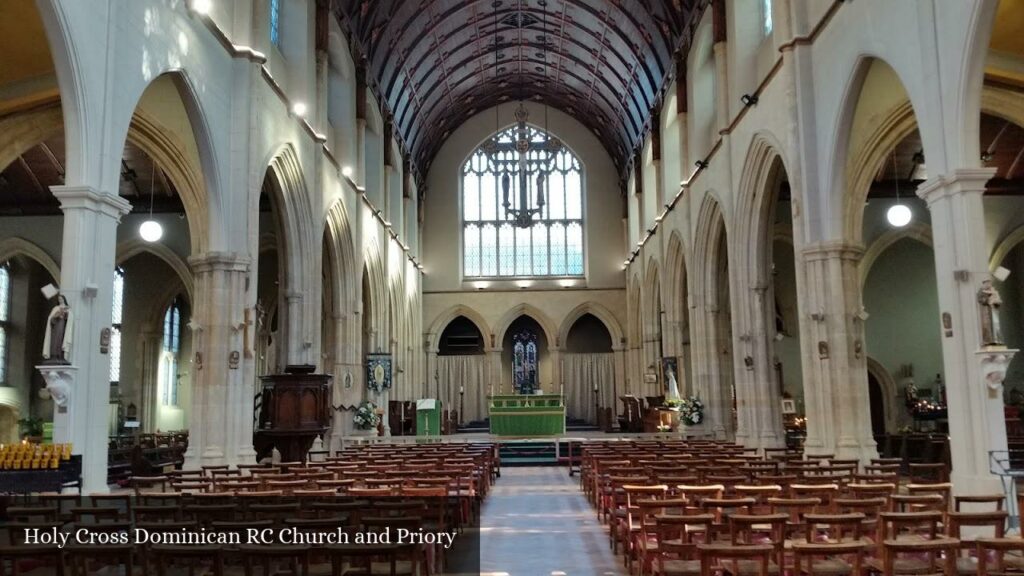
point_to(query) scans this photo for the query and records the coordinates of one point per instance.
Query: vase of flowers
(366, 419)
(691, 411)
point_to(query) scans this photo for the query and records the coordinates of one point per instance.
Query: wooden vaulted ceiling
(432, 63)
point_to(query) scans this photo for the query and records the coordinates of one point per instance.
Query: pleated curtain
(582, 372)
(469, 372)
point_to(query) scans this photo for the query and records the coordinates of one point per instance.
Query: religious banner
(378, 372)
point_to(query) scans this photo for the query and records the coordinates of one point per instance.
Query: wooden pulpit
(295, 408)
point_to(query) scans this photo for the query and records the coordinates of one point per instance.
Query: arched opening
(525, 361)
(154, 381)
(462, 371)
(678, 316)
(723, 329)
(588, 371)
(23, 313)
(781, 321)
(271, 288)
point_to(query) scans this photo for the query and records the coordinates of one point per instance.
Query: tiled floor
(536, 522)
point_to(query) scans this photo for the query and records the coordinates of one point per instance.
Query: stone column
(87, 281)
(149, 393)
(494, 370)
(974, 393)
(834, 362)
(767, 431)
(221, 424)
(555, 387)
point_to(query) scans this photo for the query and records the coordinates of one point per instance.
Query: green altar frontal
(527, 416)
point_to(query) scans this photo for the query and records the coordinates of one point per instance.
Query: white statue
(57, 339)
(673, 386)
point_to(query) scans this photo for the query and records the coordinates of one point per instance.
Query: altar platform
(526, 416)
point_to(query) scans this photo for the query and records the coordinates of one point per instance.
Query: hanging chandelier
(528, 158)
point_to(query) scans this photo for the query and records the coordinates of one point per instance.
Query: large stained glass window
(524, 362)
(493, 247)
(275, 22)
(5, 315)
(170, 346)
(115, 326)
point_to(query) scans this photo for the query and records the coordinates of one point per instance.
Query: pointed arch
(341, 254)
(853, 169)
(601, 313)
(550, 332)
(762, 171)
(136, 246)
(199, 186)
(711, 226)
(439, 324)
(915, 231)
(15, 246)
(677, 303)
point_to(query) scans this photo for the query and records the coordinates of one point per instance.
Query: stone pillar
(973, 393)
(766, 414)
(494, 370)
(87, 281)
(834, 361)
(149, 393)
(555, 387)
(221, 424)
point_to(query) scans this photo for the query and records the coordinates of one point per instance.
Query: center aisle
(536, 522)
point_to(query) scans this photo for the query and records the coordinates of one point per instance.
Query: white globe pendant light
(899, 215)
(151, 230)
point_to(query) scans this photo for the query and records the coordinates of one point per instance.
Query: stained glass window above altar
(524, 362)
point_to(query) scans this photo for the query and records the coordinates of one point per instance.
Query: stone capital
(219, 261)
(829, 249)
(89, 198)
(955, 183)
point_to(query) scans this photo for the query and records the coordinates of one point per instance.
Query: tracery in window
(524, 362)
(115, 326)
(5, 316)
(170, 347)
(493, 246)
(275, 22)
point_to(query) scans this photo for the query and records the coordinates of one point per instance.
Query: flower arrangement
(691, 411)
(366, 416)
(672, 403)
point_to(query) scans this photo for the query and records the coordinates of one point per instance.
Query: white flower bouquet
(691, 411)
(366, 416)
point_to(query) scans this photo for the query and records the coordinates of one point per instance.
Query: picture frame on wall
(788, 406)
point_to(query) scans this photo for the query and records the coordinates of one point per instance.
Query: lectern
(428, 417)
(295, 408)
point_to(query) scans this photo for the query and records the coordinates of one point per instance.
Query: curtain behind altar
(470, 372)
(582, 372)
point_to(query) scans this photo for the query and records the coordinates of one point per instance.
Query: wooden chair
(995, 501)
(82, 558)
(1007, 555)
(910, 543)
(13, 549)
(270, 557)
(976, 522)
(208, 558)
(829, 558)
(758, 529)
(676, 546)
(716, 557)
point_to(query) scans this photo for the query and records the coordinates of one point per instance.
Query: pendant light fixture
(151, 230)
(899, 215)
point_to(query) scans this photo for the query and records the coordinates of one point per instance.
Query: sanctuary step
(528, 453)
(484, 426)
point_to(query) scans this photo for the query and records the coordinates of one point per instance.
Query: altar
(525, 415)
